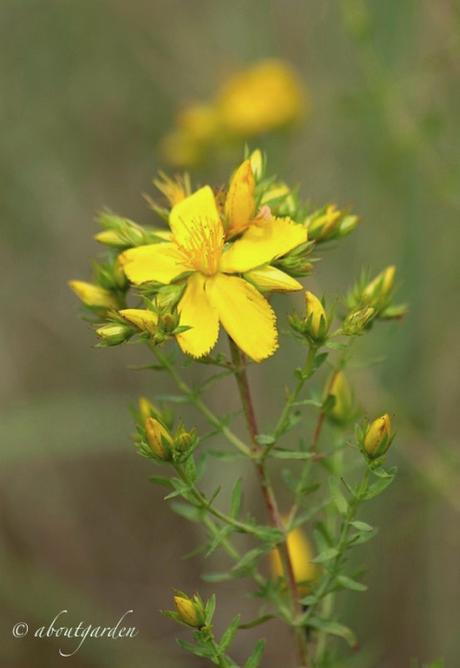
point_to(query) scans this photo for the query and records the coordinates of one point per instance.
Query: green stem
(269, 498)
(323, 589)
(305, 373)
(200, 405)
(327, 605)
(206, 505)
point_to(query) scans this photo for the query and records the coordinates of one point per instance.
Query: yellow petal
(270, 278)
(240, 204)
(155, 262)
(261, 243)
(192, 214)
(245, 314)
(141, 318)
(197, 313)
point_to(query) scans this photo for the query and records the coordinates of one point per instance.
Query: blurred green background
(88, 89)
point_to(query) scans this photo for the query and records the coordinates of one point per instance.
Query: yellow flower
(264, 97)
(213, 294)
(378, 436)
(301, 554)
(93, 295)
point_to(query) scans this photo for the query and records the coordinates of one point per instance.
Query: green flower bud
(356, 322)
(114, 333)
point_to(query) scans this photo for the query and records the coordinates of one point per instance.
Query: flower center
(203, 246)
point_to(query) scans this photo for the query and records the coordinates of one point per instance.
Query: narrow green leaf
(256, 657)
(235, 504)
(229, 634)
(338, 498)
(280, 453)
(265, 439)
(210, 608)
(217, 577)
(161, 480)
(348, 583)
(334, 628)
(190, 513)
(377, 488)
(326, 555)
(361, 526)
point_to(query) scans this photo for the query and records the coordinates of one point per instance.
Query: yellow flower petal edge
(240, 204)
(155, 262)
(268, 278)
(200, 315)
(261, 243)
(245, 314)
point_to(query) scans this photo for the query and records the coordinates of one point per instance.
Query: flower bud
(295, 263)
(119, 232)
(93, 295)
(147, 409)
(343, 408)
(323, 224)
(175, 190)
(168, 322)
(240, 204)
(356, 322)
(378, 437)
(143, 319)
(379, 289)
(114, 333)
(271, 279)
(167, 298)
(190, 611)
(183, 439)
(315, 317)
(158, 438)
(257, 164)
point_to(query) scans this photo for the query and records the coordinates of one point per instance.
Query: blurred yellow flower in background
(301, 554)
(267, 96)
(262, 98)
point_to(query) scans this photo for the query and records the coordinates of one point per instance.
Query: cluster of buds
(156, 437)
(329, 223)
(314, 325)
(371, 299)
(189, 610)
(375, 438)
